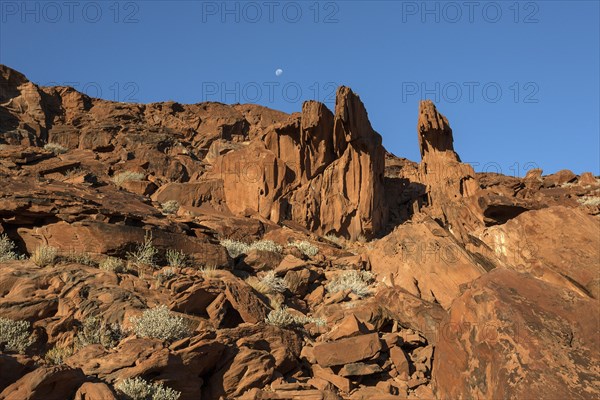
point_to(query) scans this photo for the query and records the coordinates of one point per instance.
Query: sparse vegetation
(73, 172)
(589, 200)
(113, 264)
(165, 275)
(282, 317)
(357, 281)
(15, 335)
(57, 355)
(335, 239)
(44, 256)
(266, 245)
(160, 323)
(144, 254)
(361, 238)
(270, 283)
(140, 389)
(55, 148)
(79, 258)
(209, 270)
(7, 249)
(236, 248)
(170, 207)
(177, 259)
(95, 331)
(127, 176)
(306, 248)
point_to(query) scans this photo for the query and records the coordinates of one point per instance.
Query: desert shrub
(58, 355)
(177, 259)
(144, 254)
(73, 172)
(361, 238)
(7, 249)
(79, 258)
(95, 331)
(113, 264)
(160, 323)
(165, 275)
(268, 284)
(55, 148)
(266, 245)
(208, 270)
(357, 281)
(170, 207)
(306, 248)
(15, 335)
(589, 200)
(140, 389)
(44, 255)
(283, 318)
(236, 248)
(127, 176)
(335, 239)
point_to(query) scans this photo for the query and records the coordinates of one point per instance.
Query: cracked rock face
(281, 256)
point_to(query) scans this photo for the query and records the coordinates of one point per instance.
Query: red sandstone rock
(348, 350)
(449, 239)
(53, 383)
(513, 336)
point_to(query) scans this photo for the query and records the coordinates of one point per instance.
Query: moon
(278, 72)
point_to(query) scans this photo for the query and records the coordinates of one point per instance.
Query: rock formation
(237, 252)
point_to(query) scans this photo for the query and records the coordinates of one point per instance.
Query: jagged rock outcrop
(347, 197)
(447, 180)
(321, 170)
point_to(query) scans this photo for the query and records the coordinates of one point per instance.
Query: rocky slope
(233, 251)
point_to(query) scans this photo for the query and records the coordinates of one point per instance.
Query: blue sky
(519, 81)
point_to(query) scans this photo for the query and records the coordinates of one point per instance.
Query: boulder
(347, 350)
(510, 335)
(95, 391)
(45, 383)
(425, 260)
(560, 245)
